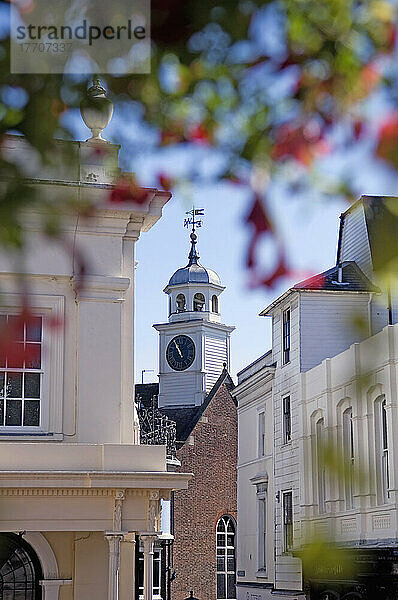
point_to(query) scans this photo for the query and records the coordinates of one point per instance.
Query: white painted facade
(255, 479)
(78, 483)
(356, 380)
(342, 355)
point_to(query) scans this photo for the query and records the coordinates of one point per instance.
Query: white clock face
(180, 352)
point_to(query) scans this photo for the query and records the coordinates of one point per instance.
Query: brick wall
(211, 454)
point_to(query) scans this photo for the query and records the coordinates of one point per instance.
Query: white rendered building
(76, 487)
(330, 380)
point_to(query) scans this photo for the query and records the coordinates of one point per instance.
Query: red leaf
(358, 128)
(258, 217)
(12, 346)
(127, 190)
(281, 270)
(199, 134)
(302, 142)
(387, 140)
(165, 181)
(370, 77)
(261, 224)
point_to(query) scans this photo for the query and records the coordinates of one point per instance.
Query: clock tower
(194, 345)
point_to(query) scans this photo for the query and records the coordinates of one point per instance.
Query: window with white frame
(226, 561)
(21, 370)
(261, 434)
(320, 464)
(262, 527)
(31, 365)
(286, 420)
(287, 508)
(382, 459)
(286, 336)
(157, 573)
(348, 447)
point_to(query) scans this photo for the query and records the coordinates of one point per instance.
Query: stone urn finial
(96, 109)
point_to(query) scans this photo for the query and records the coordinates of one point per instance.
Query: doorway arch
(20, 569)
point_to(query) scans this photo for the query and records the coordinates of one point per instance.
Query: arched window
(181, 304)
(320, 464)
(169, 305)
(382, 466)
(348, 447)
(214, 304)
(20, 571)
(226, 568)
(198, 302)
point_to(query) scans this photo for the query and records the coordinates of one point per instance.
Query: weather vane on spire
(195, 212)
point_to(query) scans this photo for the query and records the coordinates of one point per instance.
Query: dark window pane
(220, 525)
(220, 564)
(231, 551)
(15, 355)
(220, 586)
(31, 415)
(13, 412)
(1, 412)
(231, 586)
(231, 539)
(32, 385)
(33, 330)
(1, 384)
(231, 564)
(33, 356)
(231, 525)
(14, 385)
(15, 325)
(220, 540)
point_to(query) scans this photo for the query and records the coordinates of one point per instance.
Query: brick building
(194, 392)
(207, 447)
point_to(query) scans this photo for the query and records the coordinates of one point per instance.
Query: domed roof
(194, 272)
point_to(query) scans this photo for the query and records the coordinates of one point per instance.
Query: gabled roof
(187, 417)
(353, 279)
(381, 217)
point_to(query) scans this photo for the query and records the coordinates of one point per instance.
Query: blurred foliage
(265, 83)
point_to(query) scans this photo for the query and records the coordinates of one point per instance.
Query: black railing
(156, 428)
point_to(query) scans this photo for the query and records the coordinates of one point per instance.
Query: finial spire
(193, 255)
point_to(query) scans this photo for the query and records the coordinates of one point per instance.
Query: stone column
(114, 540)
(127, 573)
(148, 540)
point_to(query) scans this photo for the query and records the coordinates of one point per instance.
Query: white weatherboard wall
(216, 354)
(286, 456)
(354, 240)
(330, 323)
